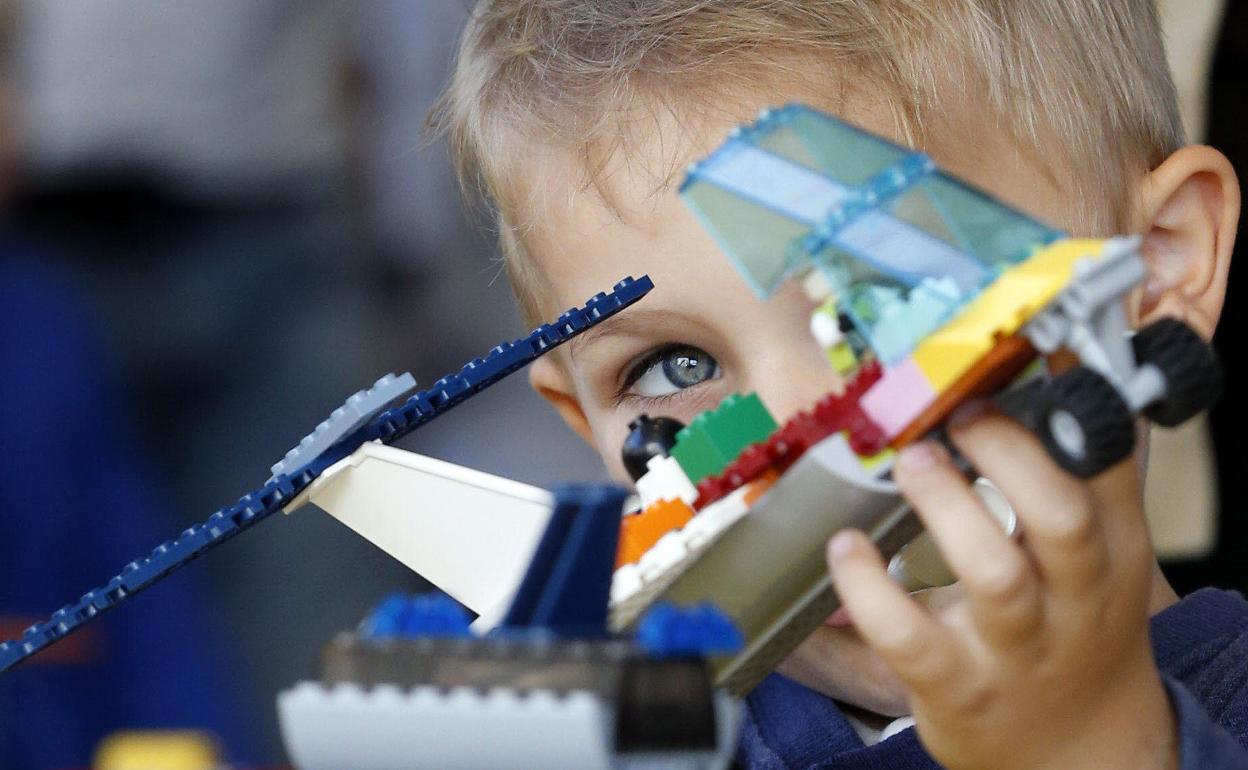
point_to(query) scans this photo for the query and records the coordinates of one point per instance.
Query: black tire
(1085, 425)
(1189, 366)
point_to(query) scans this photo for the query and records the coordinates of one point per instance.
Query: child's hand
(1047, 663)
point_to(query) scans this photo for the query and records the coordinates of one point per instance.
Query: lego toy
(548, 688)
(714, 437)
(469, 533)
(609, 642)
(927, 293)
(953, 292)
(363, 419)
(648, 438)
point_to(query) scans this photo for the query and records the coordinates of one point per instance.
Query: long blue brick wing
(387, 425)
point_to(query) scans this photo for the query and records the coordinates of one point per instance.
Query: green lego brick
(715, 438)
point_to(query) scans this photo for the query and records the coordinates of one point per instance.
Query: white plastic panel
(469, 533)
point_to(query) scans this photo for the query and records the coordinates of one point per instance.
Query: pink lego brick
(900, 396)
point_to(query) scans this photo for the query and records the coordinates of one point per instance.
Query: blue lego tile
(389, 426)
(668, 631)
(410, 617)
(357, 410)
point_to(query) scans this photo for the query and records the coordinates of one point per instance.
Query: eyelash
(639, 369)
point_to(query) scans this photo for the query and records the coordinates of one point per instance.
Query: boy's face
(701, 334)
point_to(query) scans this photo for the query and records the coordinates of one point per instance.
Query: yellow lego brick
(157, 750)
(1000, 309)
(842, 358)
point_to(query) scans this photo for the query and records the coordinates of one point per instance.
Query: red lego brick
(832, 414)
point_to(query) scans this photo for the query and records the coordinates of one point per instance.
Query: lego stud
(648, 437)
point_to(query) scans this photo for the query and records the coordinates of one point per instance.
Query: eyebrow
(632, 323)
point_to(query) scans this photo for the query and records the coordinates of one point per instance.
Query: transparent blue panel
(984, 227)
(907, 253)
(842, 152)
(787, 188)
(763, 243)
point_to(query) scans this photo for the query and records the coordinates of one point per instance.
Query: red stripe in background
(79, 649)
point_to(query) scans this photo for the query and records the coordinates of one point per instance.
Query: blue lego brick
(344, 420)
(388, 426)
(668, 631)
(409, 617)
(568, 584)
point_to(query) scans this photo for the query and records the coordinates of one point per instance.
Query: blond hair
(1080, 85)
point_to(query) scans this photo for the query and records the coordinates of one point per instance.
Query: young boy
(576, 118)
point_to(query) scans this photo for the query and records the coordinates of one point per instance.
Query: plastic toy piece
(640, 531)
(469, 533)
(357, 410)
(388, 426)
(716, 437)
(800, 188)
(899, 397)
(665, 480)
(432, 616)
(164, 749)
(953, 292)
(668, 631)
(568, 583)
(648, 438)
(634, 586)
(347, 725)
(594, 726)
(833, 413)
(549, 689)
(785, 593)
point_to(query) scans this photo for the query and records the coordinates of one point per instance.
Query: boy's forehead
(591, 220)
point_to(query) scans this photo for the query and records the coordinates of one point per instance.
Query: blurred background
(219, 220)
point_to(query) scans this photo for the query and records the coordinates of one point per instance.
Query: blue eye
(673, 369)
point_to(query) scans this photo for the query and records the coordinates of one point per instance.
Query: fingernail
(841, 545)
(969, 412)
(921, 456)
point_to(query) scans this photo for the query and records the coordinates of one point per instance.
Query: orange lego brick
(1006, 360)
(759, 486)
(640, 531)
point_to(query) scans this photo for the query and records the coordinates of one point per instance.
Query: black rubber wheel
(1085, 424)
(1189, 365)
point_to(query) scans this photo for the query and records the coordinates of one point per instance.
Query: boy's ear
(1190, 207)
(552, 383)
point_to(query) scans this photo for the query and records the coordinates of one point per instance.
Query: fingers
(922, 651)
(995, 573)
(1055, 509)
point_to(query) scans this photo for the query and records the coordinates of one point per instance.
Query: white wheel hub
(1068, 434)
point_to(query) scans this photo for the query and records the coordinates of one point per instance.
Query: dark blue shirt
(1201, 646)
(77, 503)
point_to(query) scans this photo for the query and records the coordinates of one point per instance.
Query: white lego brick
(724, 513)
(816, 286)
(669, 550)
(665, 480)
(346, 726)
(625, 582)
(826, 329)
(674, 549)
(469, 533)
